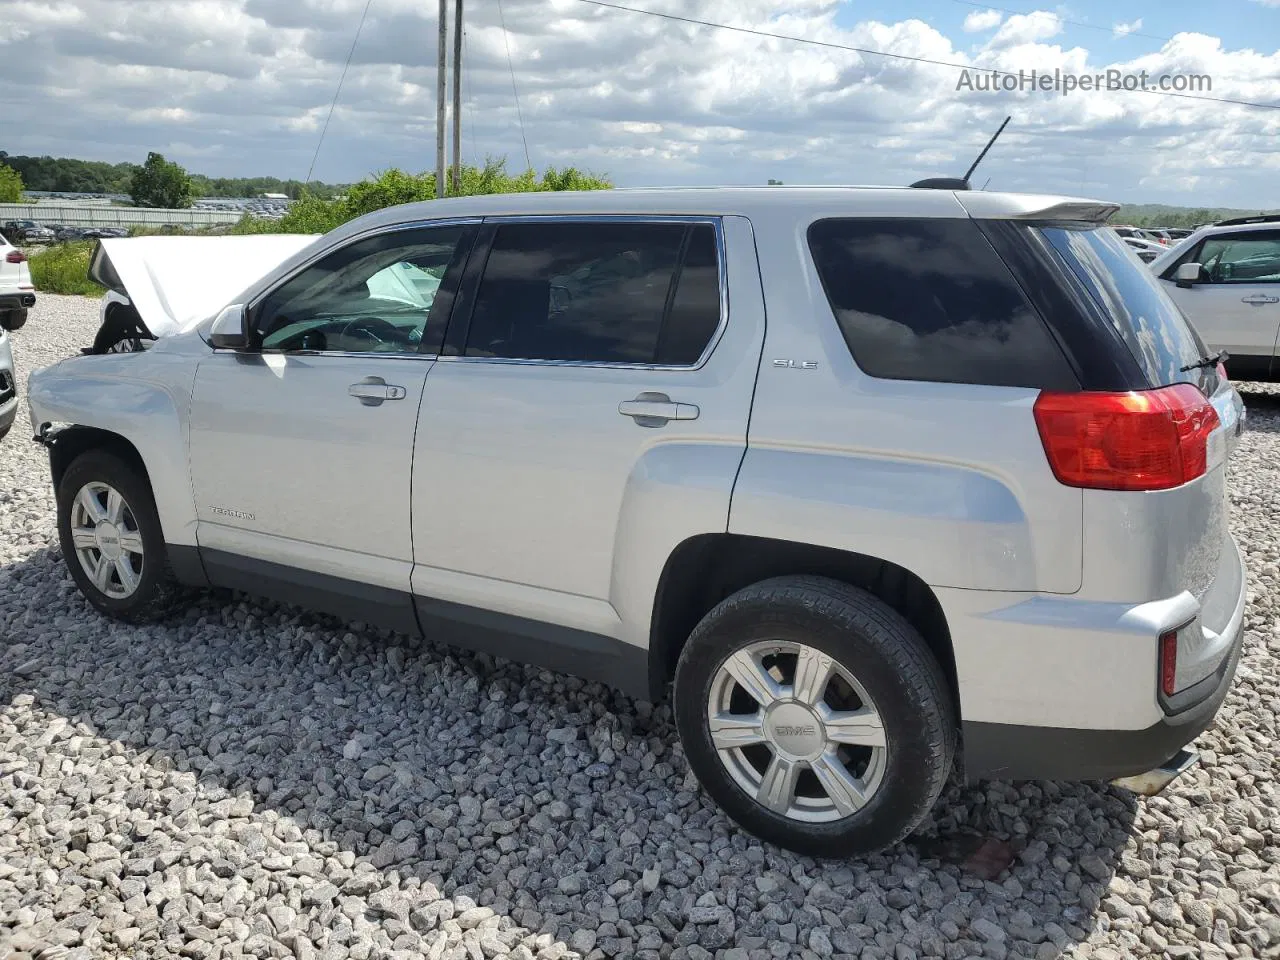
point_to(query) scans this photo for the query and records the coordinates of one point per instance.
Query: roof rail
(1242, 221)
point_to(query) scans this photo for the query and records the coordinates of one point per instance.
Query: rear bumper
(1081, 688)
(16, 301)
(1010, 752)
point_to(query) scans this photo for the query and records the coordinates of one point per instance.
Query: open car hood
(176, 282)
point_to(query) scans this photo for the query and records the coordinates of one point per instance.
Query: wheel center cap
(795, 730)
(108, 535)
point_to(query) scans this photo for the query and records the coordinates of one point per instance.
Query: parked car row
(28, 232)
(71, 234)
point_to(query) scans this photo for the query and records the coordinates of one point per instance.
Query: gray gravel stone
(248, 779)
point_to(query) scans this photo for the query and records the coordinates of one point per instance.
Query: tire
(14, 319)
(156, 589)
(863, 643)
(121, 332)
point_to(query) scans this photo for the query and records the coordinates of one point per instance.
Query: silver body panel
(9, 405)
(519, 488)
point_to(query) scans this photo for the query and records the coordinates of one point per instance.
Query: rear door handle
(656, 410)
(372, 391)
(1259, 298)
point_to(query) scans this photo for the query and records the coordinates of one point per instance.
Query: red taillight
(15, 256)
(1169, 663)
(1141, 440)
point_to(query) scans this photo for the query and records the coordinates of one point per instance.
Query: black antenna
(986, 148)
(962, 183)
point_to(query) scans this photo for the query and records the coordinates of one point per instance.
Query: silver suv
(1226, 280)
(884, 481)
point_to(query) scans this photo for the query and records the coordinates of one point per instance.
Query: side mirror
(1188, 274)
(229, 330)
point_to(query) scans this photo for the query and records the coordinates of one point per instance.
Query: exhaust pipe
(1154, 781)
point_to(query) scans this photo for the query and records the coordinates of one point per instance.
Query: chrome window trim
(368, 355)
(716, 222)
(333, 248)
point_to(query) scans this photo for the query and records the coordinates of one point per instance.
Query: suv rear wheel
(815, 715)
(13, 319)
(111, 538)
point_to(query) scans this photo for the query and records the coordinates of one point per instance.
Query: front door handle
(656, 410)
(371, 391)
(1259, 298)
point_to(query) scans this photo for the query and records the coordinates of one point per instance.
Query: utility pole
(457, 97)
(442, 54)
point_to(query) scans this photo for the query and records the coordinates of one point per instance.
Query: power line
(516, 93)
(1054, 16)
(897, 56)
(351, 53)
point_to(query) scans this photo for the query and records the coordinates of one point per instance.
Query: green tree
(10, 185)
(160, 183)
(311, 214)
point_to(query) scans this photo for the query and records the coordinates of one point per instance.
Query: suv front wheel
(815, 715)
(111, 538)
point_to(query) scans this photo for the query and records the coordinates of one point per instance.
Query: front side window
(598, 292)
(932, 300)
(1240, 258)
(374, 295)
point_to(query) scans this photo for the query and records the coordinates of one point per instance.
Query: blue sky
(242, 87)
(1239, 23)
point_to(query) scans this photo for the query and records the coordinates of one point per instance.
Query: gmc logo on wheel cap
(797, 730)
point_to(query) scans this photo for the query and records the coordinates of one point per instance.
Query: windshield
(1153, 327)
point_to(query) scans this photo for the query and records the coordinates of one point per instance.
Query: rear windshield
(1161, 339)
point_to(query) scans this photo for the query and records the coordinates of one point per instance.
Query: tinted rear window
(1130, 296)
(932, 300)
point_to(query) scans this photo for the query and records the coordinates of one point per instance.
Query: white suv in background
(1226, 279)
(17, 293)
(871, 482)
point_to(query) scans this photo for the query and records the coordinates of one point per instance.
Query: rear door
(589, 416)
(1236, 306)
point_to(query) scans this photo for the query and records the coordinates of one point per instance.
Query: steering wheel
(373, 329)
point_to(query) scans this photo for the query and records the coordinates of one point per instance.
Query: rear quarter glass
(931, 300)
(1131, 298)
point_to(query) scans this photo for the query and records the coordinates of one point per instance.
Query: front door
(302, 447)
(1236, 305)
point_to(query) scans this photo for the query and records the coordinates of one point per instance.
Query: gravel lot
(251, 780)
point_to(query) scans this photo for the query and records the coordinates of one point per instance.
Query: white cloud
(981, 20)
(1124, 29)
(1027, 28)
(241, 87)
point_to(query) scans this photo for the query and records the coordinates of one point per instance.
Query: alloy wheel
(107, 541)
(796, 731)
